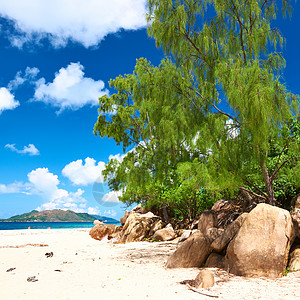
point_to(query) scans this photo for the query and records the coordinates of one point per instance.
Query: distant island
(57, 215)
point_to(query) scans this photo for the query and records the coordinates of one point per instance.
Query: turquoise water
(45, 225)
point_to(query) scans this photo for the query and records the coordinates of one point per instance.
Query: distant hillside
(57, 215)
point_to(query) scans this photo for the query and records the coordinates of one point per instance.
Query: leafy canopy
(217, 105)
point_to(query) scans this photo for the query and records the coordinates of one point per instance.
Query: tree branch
(257, 188)
(203, 56)
(254, 194)
(225, 114)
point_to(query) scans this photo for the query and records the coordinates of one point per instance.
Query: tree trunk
(165, 212)
(269, 184)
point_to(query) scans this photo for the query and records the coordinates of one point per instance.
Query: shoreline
(83, 268)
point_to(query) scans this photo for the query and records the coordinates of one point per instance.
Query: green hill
(55, 215)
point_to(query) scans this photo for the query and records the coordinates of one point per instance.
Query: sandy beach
(83, 268)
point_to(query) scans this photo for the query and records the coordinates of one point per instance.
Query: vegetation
(214, 119)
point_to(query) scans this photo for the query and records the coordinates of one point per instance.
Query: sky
(56, 58)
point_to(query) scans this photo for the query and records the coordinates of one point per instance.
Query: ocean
(45, 225)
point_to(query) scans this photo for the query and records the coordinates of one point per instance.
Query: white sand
(100, 270)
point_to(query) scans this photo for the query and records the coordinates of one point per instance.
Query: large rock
(157, 225)
(139, 209)
(137, 227)
(213, 233)
(99, 231)
(296, 202)
(296, 221)
(229, 233)
(116, 236)
(165, 234)
(294, 261)
(192, 253)
(262, 245)
(184, 236)
(215, 260)
(296, 216)
(124, 218)
(207, 220)
(228, 211)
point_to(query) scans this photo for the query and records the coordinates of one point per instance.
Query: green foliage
(287, 270)
(228, 57)
(185, 152)
(283, 161)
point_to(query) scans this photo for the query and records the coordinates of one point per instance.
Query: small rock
(98, 222)
(10, 269)
(99, 231)
(49, 254)
(294, 262)
(205, 279)
(165, 234)
(32, 279)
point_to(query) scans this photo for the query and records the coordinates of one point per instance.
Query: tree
(228, 57)
(150, 117)
(173, 115)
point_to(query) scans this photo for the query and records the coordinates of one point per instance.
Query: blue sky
(56, 60)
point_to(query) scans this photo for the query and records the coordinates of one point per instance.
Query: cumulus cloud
(30, 149)
(85, 173)
(70, 89)
(7, 100)
(46, 184)
(86, 22)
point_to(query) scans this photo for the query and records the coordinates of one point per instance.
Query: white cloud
(14, 188)
(112, 197)
(7, 100)
(84, 174)
(83, 21)
(46, 184)
(29, 75)
(30, 149)
(119, 157)
(110, 213)
(70, 89)
(232, 129)
(94, 211)
(44, 181)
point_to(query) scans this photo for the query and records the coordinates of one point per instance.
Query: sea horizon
(6, 225)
